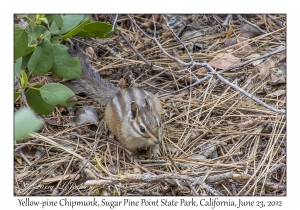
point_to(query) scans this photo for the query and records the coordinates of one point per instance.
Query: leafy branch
(39, 49)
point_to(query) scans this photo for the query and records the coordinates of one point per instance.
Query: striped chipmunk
(133, 115)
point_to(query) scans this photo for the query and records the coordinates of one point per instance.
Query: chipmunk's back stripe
(118, 104)
(120, 100)
(131, 94)
(153, 101)
(141, 94)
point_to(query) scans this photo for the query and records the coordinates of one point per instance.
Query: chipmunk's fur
(133, 115)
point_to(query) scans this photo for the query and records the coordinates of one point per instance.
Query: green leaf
(20, 42)
(44, 20)
(77, 29)
(65, 65)
(31, 20)
(42, 58)
(18, 64)
(25, 60)
(24, 79)
(96, 30)
(25, 123)
(69, 22)
(55, 40)
(16, 95)
(49, 17)
(55, 93)
(29, 50)
(37, 32)
(86, 16)
(36, 102)
(21, 15)
(58, 21)
(30, 17)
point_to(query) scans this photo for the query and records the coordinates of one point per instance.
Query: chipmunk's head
(146, 123)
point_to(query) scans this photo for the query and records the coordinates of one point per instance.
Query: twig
(137, 52)
(178, 38)
(187, 87)
(136, 178)
(276, 21)
(154, 26)
(113, 26)
(110, 50)
(279, 49)
(220, 177)
(218, 19)
(130, 45)
(256, 27)
(22, 92)
(25, 158)
(244, 92)
(170, 75)
(133, 178)
(148, 178)
(178, 170)
(158, 44)
(275, 168)
(35, 141)
(199, 180)
(226, 21)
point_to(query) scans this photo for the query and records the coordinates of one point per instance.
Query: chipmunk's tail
(91, 83)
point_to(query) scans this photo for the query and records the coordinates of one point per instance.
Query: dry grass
(204, 151)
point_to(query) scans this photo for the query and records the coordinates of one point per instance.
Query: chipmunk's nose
(158, 141)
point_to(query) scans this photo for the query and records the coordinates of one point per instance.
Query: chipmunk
(133, 115)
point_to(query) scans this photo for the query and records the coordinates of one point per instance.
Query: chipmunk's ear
(134, 109)
(148, 104)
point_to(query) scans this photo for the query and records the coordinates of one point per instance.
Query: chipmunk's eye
(142, 129)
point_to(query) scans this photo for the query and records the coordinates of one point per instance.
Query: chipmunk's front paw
(154, 152)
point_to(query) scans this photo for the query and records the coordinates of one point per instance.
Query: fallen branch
(193, 63)
(129, 178)
(187, 87)
(148, 178)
